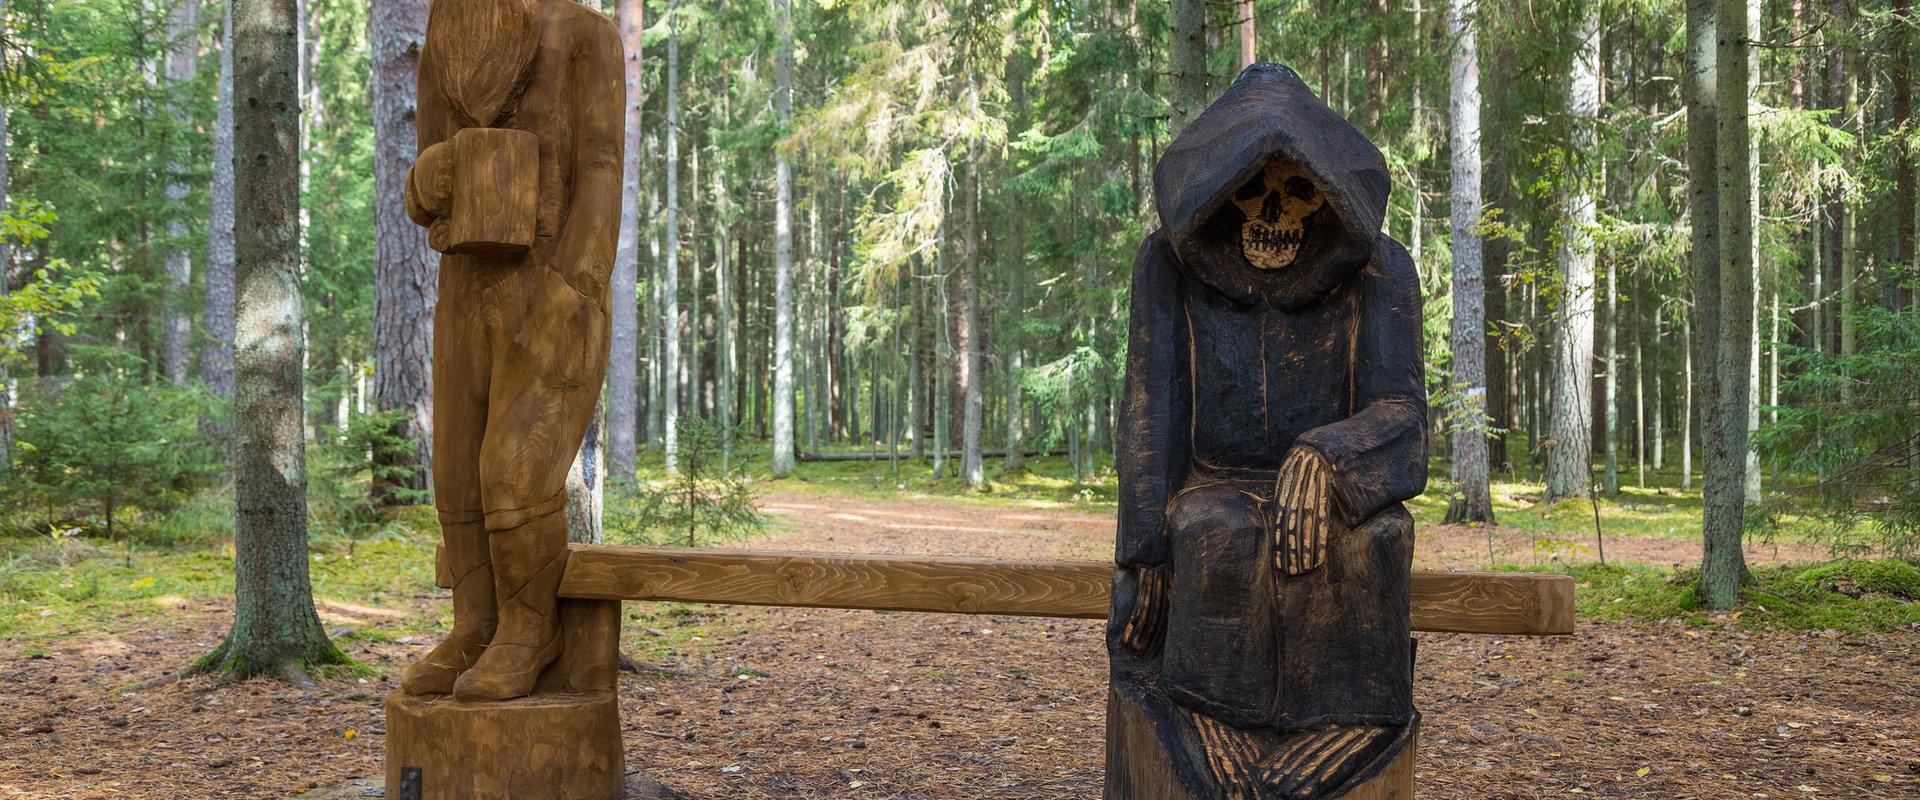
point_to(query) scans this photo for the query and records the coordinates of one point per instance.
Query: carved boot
(470, 564)
(1318, 762)
(527, 564)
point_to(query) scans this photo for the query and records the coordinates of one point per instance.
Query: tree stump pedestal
(551, 746)
(560, 743)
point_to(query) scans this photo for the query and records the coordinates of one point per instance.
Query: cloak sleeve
(1379, 455)
(1155, 438)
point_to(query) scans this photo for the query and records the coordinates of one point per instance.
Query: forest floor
(800, 703)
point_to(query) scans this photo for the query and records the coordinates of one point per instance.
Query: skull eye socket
(1253, 188)
(1301, 188)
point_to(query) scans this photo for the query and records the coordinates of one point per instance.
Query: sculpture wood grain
(520, 121)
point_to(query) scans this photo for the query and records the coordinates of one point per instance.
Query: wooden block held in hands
(496, 183)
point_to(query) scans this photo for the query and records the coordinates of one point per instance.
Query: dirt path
(792, 703)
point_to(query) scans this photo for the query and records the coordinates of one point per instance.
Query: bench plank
(1458, 602)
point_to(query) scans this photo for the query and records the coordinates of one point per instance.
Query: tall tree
(1187, 60)
(275, 630)
(216, 316)
(670, 277)
(1900, 51)
(1703, 201)
(783, 246)
(1723, 564)
(1571, 426)
(183, 60)
(968, 374)
(1249, 41)
(405, 287)
(623, 399)
(1470, 462)
(6, 264)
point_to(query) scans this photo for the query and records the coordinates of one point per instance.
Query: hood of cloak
(1270, 113)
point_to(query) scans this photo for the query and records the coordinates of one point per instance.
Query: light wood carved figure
(518, 183)
(1274, 421)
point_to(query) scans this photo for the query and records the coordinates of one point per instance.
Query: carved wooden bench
(442, 748)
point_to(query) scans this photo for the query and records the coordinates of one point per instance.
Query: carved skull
(1276, 205)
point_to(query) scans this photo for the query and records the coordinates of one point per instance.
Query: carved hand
(1147, 622)
(1303, 516)
(430, 192)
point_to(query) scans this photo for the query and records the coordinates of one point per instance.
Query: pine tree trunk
(670, 250)
(6, 267)
(968, 373)
(1723, 564)
(216, 317)
(1249, 37)
(1571, 427)
(1905, 241)
(623, 356)
(783, 247)
(183, 58)
(275, 629)
(1612, 366)
(1703, 323)
(1187, 61)
(1474, 503)
(1659, 445)
(1016, 458)
(405, 286)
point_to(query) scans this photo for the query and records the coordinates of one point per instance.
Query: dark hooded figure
(1273, 423)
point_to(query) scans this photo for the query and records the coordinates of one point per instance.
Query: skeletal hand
(1303, 517)
(1148, 619)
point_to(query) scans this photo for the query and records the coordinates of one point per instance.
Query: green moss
(1856, 577)
(1848, 595)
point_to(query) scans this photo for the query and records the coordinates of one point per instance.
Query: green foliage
(701, 500)
(93, 448)
(50, 293)
(343, 470)
(1851, 445)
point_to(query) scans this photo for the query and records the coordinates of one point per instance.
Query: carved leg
(528, 561)
(471, 567)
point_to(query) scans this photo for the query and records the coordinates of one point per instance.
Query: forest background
(1665, 246)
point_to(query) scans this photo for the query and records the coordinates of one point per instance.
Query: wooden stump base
(1141, 759)
(549, 746)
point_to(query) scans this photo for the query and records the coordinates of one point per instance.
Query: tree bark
(783, 247)
(1571, 428)
(968, 374)
(670, 247)
(1249, 40)
(405, 287)
(274, 626)
(183, 59)
(6, 267)
(1723, 564)
(216, 317)
(1905, 242)
(1187, 61)
(1470, 458)
(623, 399)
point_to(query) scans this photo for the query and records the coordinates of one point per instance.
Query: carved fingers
(1147, 622)
(430, 185)
(1314, 761)
(1303, 515)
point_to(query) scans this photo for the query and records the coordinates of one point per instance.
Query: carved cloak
(1229, 368)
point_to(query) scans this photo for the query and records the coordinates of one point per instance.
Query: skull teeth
(1270, 238)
